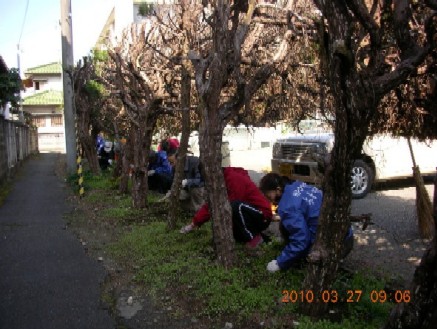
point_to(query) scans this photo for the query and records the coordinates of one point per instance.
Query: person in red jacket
(251, 211)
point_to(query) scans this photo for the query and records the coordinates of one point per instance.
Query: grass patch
(170, 263)
(184, 265)
(181, 270)
(91, 182)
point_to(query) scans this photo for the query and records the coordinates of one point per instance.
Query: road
(46, 279)
(392, 245)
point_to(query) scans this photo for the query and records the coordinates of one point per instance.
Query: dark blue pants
(247, 221)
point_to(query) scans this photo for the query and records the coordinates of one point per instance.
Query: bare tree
(369, 48)
(176, 21)
(141, 80)
(225, 86)
(88, 96)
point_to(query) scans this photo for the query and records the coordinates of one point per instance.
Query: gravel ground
(391, 246)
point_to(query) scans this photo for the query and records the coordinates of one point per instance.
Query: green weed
(184, 264)
(175, 266)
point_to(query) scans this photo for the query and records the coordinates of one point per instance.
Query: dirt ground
(132, 307)
(129, 303)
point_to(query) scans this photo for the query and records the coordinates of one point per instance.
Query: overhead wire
(24, 21)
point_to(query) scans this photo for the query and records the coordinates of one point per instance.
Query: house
(122, 14)
(43, 100)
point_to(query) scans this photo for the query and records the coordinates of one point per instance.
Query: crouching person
(192, 195)
(159, 173)
(299, 210)
(251, 211)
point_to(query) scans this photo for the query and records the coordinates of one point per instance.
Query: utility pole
(67, 70)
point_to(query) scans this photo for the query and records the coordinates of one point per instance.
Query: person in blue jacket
(100, 143)
(160, 173)
(299, 210)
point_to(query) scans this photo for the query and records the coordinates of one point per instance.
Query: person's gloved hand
(273, 266)
(184, 182)
(188, 228)
(150, 172)
(165, 197)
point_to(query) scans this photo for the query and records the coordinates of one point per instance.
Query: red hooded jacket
(240, 188)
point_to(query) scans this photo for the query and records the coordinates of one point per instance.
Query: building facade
(43, 100)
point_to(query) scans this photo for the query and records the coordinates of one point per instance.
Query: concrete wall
(249, 138)
(17, 142)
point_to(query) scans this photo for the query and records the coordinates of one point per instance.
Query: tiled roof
(48, 97)
(51, 68)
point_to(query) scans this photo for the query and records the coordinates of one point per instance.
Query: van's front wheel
(361, 179)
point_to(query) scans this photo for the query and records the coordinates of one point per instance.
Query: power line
(24, 21)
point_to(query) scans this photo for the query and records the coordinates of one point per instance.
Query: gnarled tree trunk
(210, 141)
(142, 140)
(126, 158)
(357, 86)
(88, 144)
(334, 216)
(182, 152)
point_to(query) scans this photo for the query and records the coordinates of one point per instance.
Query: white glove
(184, 182)
(150, 172)
(187, 229)
(273, 266)
(165, 197)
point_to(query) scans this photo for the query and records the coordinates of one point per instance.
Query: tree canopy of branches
(409, 110)
(227, 76)
(367, 51)
(88, 99)
(141, 73)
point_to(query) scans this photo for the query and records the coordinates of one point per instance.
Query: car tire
(361, 179)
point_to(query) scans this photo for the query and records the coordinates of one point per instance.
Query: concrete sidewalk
(46, 279)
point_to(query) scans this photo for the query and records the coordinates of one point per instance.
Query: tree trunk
(88, 144)
(141, 147)
(174, 209)
(126, 161)
(117, 154)
(89, 149)
(357, 91)
(210, 141)
(333, 224)
(421, 312)
(352, 106)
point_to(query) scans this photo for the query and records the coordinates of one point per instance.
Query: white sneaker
(165, 197)
(187, 229)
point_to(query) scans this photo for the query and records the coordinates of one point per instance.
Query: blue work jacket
(299, 209)
(162, 165)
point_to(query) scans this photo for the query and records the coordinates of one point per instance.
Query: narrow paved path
(46, 279)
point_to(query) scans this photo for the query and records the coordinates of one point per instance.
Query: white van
(383, 157)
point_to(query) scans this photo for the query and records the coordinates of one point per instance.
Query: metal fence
(17, 142)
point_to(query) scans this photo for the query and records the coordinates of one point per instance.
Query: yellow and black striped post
(80, 174)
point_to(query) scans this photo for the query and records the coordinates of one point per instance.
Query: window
(39, 121)
(37, 85)
(57, 121)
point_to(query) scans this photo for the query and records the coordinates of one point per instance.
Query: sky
(38, 32)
